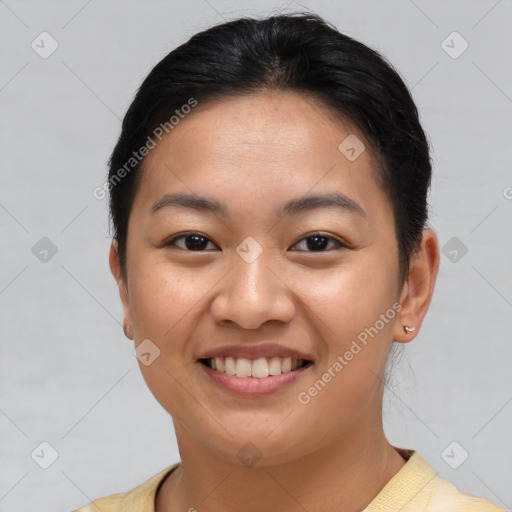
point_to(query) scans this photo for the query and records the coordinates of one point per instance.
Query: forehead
(265, 124)
(259, 149)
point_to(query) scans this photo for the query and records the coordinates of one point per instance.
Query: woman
(268, 194)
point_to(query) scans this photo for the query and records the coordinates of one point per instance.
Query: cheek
(162, 298)
(351, 297)
(352, 308)
(163, 305)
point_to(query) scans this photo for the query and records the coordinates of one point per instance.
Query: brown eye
(318, 242)
(194, 242)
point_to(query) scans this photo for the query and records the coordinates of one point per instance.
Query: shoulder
(139, 499)
(446, 497)
(105, 504)
(418, 488)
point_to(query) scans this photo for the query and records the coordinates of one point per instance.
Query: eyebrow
(291, 207)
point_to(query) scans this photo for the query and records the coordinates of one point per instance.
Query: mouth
(253, 371)
(260, 368)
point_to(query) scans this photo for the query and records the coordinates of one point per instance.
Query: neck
(353, 470)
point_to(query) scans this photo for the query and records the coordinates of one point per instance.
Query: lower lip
(252, 386)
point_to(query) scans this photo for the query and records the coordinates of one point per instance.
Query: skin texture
(253, 153)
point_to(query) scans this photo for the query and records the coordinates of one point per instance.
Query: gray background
(68, 374)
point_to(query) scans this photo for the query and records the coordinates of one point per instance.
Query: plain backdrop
(72, 398)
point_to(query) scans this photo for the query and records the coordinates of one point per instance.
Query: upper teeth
(259, 368)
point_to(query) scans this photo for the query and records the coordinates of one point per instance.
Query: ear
(115, 268)
(418, 287)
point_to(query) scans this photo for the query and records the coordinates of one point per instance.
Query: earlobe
(115, 268)
(127, 329)
(113, 261)
(418, 288)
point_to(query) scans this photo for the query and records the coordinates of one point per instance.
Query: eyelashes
(198, 242)
(318, 238)
(196, 237)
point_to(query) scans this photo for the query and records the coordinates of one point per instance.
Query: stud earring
(408, 329)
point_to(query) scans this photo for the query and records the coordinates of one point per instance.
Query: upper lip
(255, 352)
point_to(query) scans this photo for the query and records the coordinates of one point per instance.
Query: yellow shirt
(415, 488)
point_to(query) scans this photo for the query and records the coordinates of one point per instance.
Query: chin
(258, 447)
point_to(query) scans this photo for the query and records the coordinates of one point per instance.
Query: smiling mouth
(258, 368)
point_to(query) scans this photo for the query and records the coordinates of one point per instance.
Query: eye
(317, 242)
(195, 242)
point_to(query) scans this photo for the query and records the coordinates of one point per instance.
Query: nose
(253, 293)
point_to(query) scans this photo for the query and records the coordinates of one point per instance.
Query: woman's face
(254, 282)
